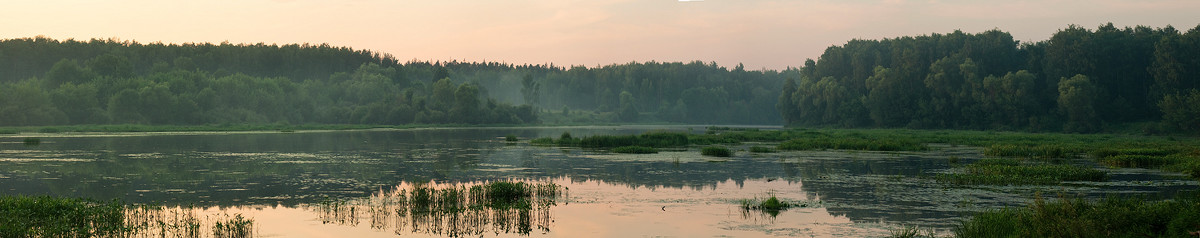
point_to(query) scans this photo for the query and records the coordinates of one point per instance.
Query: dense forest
(50, 82)
(1079, 80)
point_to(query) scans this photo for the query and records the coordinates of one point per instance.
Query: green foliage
(634, 150)
(1182, 110)
(22, 216)
(1080, 80)
(1110, 217)
(716, 151)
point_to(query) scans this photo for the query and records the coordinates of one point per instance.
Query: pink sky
(758, 33)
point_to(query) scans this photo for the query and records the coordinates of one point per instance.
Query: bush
(716, 151)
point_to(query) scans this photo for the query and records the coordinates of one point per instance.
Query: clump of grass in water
(1110, 217)
(772, 205)
(716, 151)
(1009, 172)
(634, 150)
(911, 232)
(233, 227)
(31, 141)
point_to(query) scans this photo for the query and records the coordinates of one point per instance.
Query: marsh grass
(1109, 217)
(453, 210)
(635, 150)
(911, 232)
(852, 143)
(716, 151)
(1013, 172)
(43, 216)
(773, 205)
(1030, 151)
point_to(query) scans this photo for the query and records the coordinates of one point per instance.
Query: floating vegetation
(772, 205)
(43, 216)
(716, 151)
(1110, 217)
(1012, 172)
(452, 210)
(31, 141)
(635, 150)
(762, 149)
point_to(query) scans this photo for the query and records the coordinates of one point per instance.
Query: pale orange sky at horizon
(758, 33)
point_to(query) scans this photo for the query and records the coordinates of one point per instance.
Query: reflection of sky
(600, 209)
(760, 33)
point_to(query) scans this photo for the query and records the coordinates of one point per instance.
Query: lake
(286, 182)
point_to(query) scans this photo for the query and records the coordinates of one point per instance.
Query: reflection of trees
(453, 210)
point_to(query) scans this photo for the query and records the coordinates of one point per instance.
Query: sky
(761, 34)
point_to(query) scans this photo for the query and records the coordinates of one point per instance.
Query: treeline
(108, 82)
(693, 92)
(1080, 80)
(50, 82)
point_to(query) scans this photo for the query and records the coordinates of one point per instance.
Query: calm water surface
(281, 181)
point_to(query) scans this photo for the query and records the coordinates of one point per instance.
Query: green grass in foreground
(1012, 172)
(1111, 217)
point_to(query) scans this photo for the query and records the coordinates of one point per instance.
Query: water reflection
(454, 210)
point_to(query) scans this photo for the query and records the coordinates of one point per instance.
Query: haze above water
(285, 181)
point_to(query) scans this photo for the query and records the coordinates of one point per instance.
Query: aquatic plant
(1110, 217)
(773, 205)
(911, 232)
(32, 141)
(1009, 172)
(649, 139)
(716, 151)
(43, 216)
(635, 150)
(451, 210)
